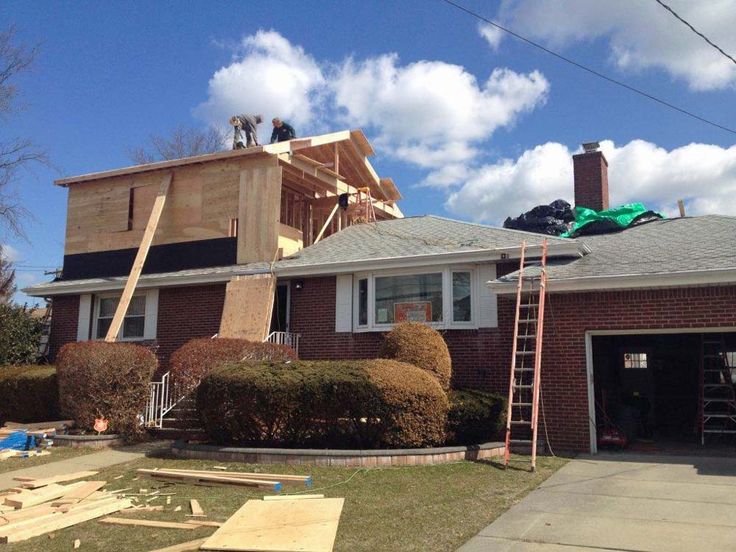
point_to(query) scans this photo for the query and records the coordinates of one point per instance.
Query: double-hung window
(444, 298)
(140, 319)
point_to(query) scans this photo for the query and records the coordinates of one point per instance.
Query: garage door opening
(665, 391)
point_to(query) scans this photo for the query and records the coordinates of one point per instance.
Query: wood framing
(140, 259)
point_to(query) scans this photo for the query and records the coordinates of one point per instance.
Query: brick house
(629, 316)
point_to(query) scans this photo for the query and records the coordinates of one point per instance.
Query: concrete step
(182, 423)
(195, 434)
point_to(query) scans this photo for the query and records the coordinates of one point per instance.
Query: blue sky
(470, 127)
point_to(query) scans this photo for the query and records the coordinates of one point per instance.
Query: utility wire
(589, 69)
(693, 29)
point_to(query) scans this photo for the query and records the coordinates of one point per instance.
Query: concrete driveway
(623, 502)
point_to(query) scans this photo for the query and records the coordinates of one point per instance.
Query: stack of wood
(19, 441)
(272, 482)
(39, 506)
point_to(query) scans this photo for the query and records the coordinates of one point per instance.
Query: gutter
(627, 281)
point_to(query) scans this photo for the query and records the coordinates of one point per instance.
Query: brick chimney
(591, 178)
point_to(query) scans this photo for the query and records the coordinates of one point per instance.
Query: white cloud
(269, 76)
(432, 113)
(703, 175)
(493, 35)
(9, 252)
(641, 35)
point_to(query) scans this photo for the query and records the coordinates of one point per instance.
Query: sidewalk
(95, 461)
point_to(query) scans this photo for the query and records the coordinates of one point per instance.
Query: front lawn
(400, 508)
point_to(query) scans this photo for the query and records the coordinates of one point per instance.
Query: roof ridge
(488, 227)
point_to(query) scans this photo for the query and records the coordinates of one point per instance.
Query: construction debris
(197, 510)
(47, 506)
(150, 523)
(24, 442)
(287, 525)
(271, 482)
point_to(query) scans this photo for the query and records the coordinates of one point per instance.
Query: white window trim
(151, 315)
(447, 310)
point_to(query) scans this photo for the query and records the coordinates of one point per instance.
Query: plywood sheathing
(258, 214)
(305, 525)
(248, 306)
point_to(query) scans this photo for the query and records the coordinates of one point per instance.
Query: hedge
(110, 380)
(422, 346)
(338, 404)
(28, 394)
(19, 335)
(475, 416)
(196, 358)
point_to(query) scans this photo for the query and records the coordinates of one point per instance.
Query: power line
(590, 70)
(693, 29)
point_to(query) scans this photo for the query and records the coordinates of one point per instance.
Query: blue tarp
(18, 440)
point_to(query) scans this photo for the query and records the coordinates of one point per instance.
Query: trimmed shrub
(19, 336)
(475, 416)
(339, 404)
(422, 346)
(196, 358)
(28, 394)
(110, 380)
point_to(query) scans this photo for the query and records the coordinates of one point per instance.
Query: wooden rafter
(140, 259)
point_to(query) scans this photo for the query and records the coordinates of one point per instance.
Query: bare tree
(15, 153)
(7, 278)
(181, 142)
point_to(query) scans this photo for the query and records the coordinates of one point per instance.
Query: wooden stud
(327, 222)
(294, 497)
(148, 523)
(681, 205)
(196, 508)
(140, 259)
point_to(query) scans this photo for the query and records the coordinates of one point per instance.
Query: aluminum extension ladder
(526, 360)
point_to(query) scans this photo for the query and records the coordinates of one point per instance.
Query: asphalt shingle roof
(660, 247)
(407, 237)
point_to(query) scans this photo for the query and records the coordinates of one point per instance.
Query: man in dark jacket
(245, 124)
(282, 131)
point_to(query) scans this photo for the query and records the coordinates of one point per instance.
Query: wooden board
(248, 307)
(28, 498)
(182, 547)
(280, 526)
(32, 483)
(259, 210)
(294, 497)
(196, 508)
(140, 259)
(306, 479)
(216, 478)
(148, 523)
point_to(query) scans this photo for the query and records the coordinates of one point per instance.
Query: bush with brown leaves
(422, 346)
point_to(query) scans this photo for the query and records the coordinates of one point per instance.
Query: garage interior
(659, 391)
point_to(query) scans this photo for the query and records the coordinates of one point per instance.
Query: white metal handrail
(284, 338)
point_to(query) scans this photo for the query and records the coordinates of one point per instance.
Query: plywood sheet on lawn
(248, 305)
(280, 526)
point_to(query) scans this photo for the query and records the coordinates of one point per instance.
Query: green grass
(57, 453)
(401, 508)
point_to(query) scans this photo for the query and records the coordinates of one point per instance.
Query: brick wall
(591, 180)
(65, 314)
(185, 313)
(477, 355)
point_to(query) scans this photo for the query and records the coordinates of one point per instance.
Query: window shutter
(344, 303)
(151, 323)
(487, 302)
(84, 317)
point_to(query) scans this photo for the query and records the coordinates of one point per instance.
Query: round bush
(422, 346)
(110, 380)
(339, 404)
(196, 358)
(28, 394)
(475, 416)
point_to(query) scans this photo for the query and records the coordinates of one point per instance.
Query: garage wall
(569, 316)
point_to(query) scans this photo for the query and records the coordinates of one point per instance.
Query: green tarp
(589, 221)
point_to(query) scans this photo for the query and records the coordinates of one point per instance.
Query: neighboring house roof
(678, 251)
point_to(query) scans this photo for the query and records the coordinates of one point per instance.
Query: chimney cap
(590, 147)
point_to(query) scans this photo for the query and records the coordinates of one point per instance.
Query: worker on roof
(282, 131)
(245, 124)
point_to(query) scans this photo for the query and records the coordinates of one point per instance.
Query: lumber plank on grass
(54, 522)
(85, 490)
(148, 523)
(306, 525)
(36, 483)
(218, 478)
(294, 497)
(196, 508)
(182, 547)
(26, 513)
(202, 523)
(307, 479)
(28, 498)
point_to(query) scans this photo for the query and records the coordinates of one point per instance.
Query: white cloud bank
(9, 253)
(702, 174)
(429, 113)
(641, 35)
